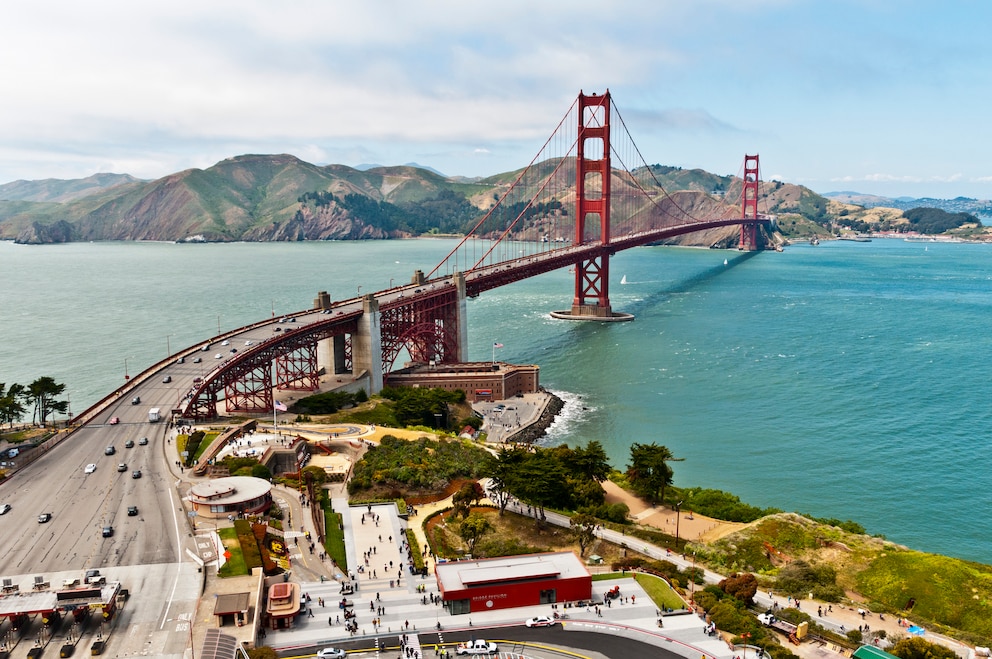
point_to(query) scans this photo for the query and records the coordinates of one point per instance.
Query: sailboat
(623, 280)
(725, 261)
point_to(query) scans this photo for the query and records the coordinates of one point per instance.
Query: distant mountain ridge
(980, 207)
(282, 198)
(62, 190)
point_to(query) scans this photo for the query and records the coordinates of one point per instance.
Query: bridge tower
(592, 202)
(749, 204)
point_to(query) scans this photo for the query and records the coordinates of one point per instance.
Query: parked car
(90, 468)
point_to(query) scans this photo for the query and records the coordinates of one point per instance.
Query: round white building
(233, 495)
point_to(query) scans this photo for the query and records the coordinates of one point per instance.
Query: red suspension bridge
(586, 195)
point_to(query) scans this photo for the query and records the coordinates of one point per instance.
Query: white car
(225, 342)
(247, 343)
(766, 619)
(90, 468)
(476, 647)
(540, 621)
(4, 508)
(218, 356)
(331, 653)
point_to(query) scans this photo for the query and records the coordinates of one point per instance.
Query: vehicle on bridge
(90, 468)
(154, 415)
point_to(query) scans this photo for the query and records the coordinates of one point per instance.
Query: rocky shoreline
(539, 428)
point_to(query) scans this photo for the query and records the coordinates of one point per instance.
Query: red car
(114, 420)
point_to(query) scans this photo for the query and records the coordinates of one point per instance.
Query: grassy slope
(948, 592)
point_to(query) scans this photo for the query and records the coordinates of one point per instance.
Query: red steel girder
(297, 370)
(427, 326)
(201, 402)
(251, 392)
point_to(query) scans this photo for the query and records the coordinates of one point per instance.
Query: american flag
(281, 406)
(497, 345)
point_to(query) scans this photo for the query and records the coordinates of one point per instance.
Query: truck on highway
(154, 415)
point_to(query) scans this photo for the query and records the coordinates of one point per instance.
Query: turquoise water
(847, 380)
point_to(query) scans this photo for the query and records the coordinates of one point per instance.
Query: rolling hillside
(282, 198)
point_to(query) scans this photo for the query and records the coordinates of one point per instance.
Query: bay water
(846, 380)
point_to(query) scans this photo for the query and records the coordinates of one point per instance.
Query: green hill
(280, 197)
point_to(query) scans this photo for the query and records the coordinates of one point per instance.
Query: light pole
(359, 290)
(678, 508)
(126, 376)
(391, 281)
(168, 344)
(218, 325)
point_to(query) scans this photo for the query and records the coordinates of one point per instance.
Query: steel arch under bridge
(246, 379)
(426, 326)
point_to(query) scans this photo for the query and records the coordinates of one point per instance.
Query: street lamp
(678, 507)
(391, 281)
(359, 290)
(126, 376)
(168, 344)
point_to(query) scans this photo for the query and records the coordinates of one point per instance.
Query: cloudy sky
(879, 96)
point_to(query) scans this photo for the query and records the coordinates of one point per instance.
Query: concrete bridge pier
(366, 344)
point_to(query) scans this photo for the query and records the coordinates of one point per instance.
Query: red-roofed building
(511, 581)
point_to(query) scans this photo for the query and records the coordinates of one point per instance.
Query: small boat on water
(725, 261)
(814, 241)
(623, 280)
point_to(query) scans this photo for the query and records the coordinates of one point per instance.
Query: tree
(590, 461)
(584, 529)
(649, 472)
(542, 481)
(42, 392)
(501, 471)
(743, 586)
(11, 403)
(915, 647)
(468, 494)
(472, 529)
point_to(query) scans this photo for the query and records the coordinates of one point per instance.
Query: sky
(886, 97)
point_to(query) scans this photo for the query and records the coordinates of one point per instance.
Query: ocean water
(847, 380)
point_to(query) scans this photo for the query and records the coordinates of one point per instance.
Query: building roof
(230, 603)
(218, 645)
(461, 575)
(233, 489)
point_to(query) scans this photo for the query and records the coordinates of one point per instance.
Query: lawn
(235, 565)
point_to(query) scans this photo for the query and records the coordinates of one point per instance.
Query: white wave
(575, 411)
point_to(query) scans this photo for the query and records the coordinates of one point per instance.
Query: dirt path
(690, 526)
